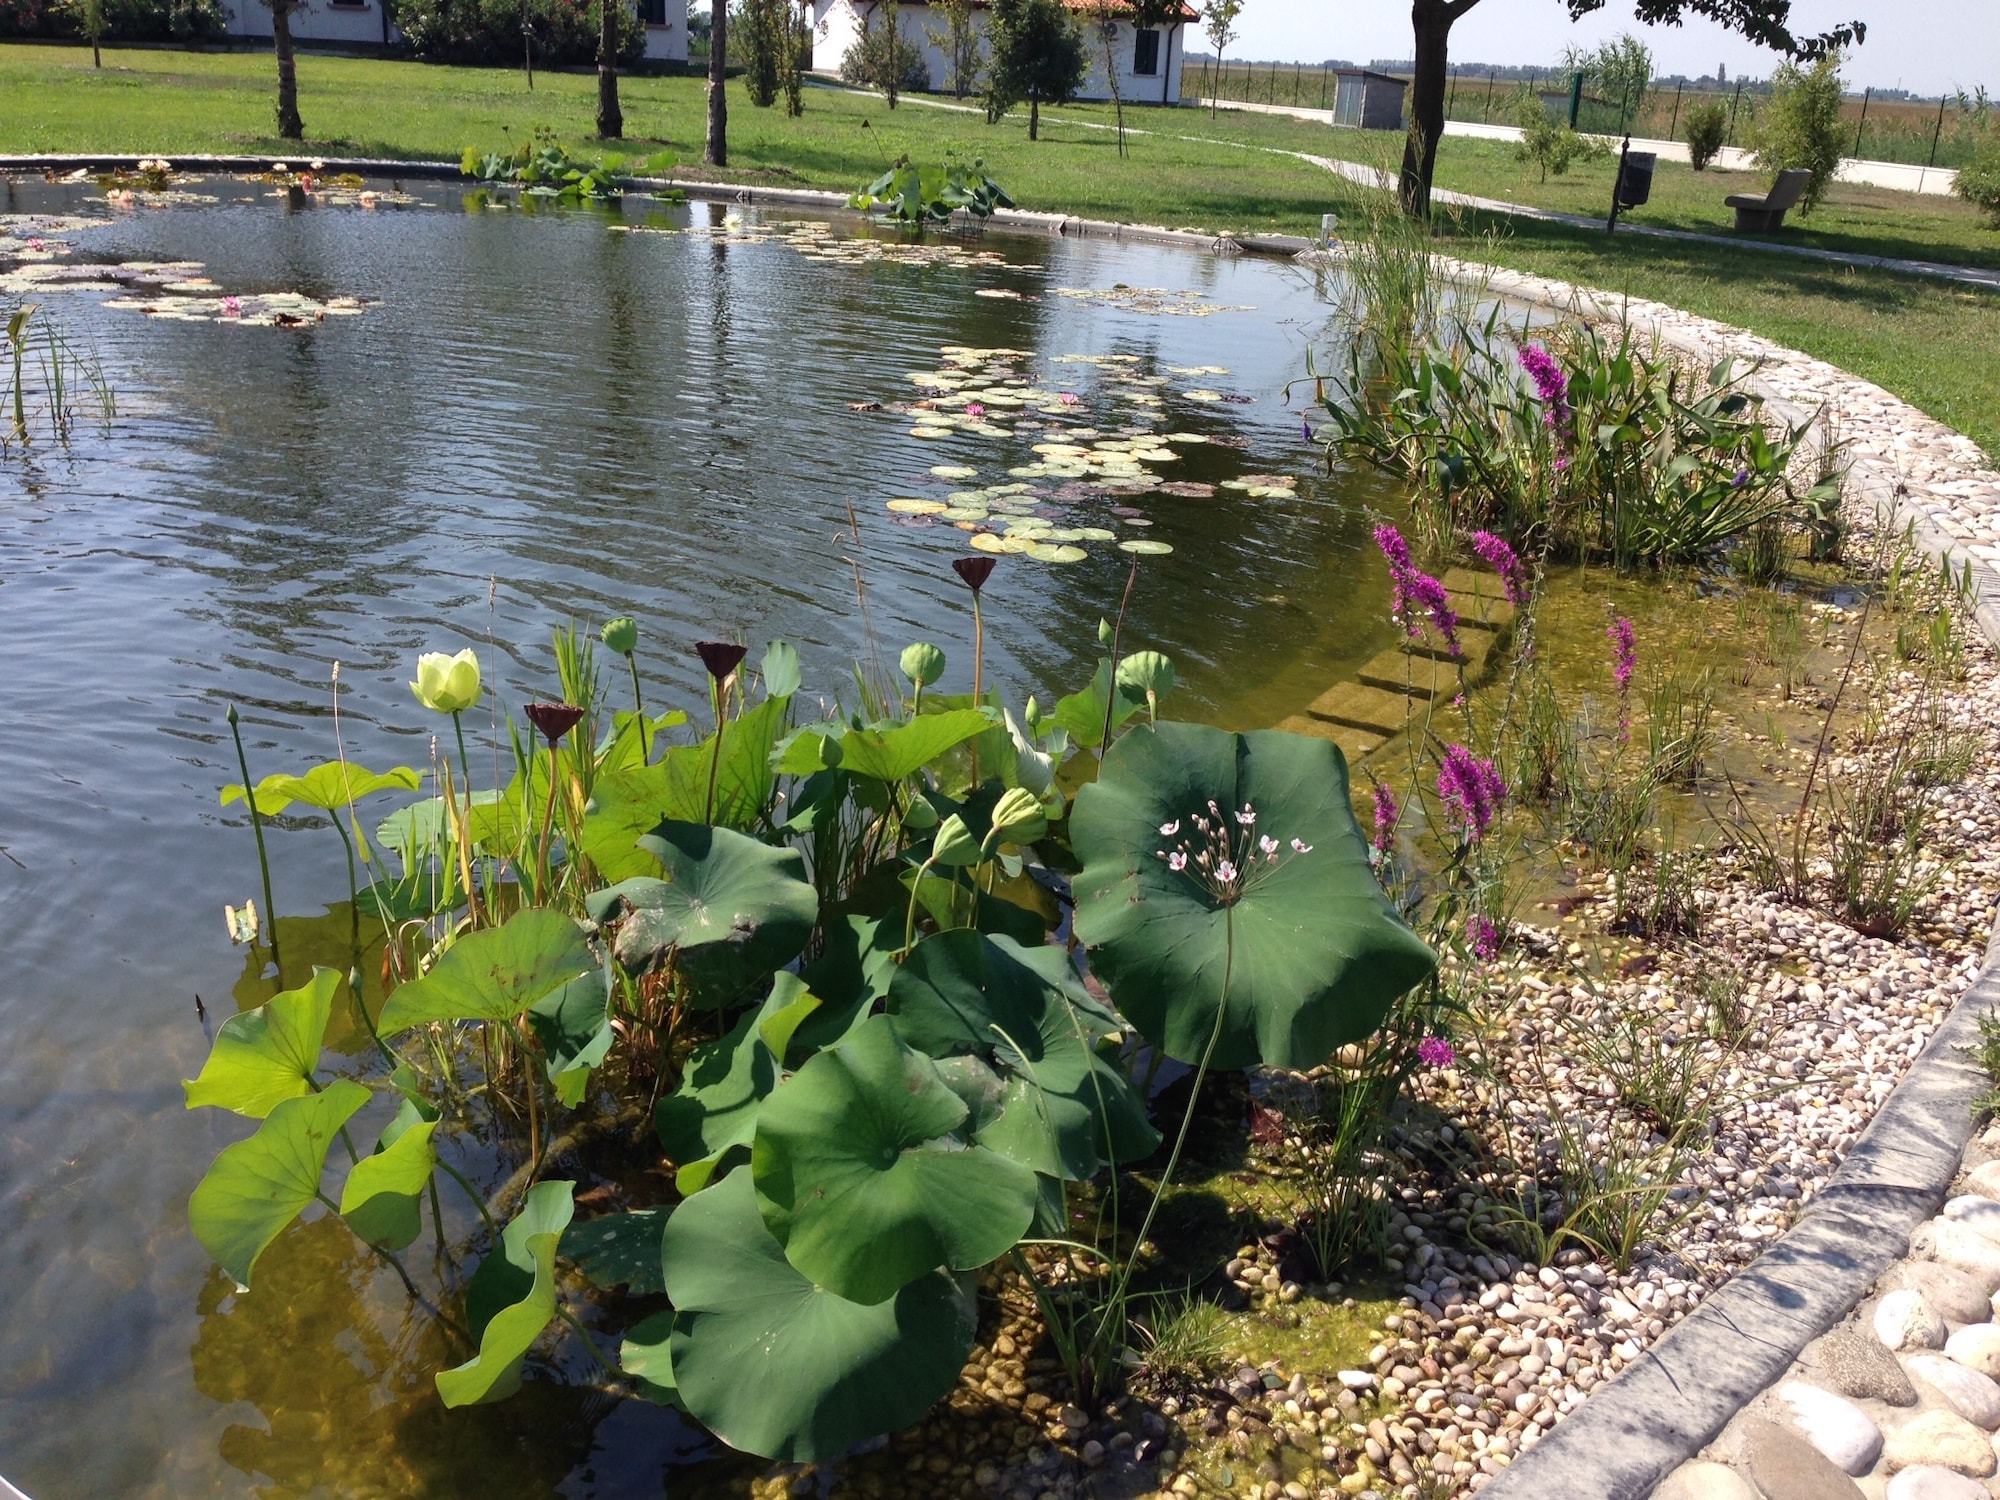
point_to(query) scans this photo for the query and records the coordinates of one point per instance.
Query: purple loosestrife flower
(1550, 382)
(1387, 814)
(1472, 791)
(1483, 938)
(1415, 593)
(1742, 478)
(1503, 560)
(1436, 1052)
(1624, 652)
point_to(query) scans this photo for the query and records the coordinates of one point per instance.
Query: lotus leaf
(493, 975)
(329, 786)
(511, 1298)
(776, 1366)
(265, 1056)
(1318, 951)
(620, 1249)
(857, 1178)
(382, 1200)
(734, 909)
(646, 1353)
(891, 752)
(573, 1024)
(714, 1111)
(254, 1188)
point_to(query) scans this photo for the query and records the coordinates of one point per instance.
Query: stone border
(1677, 1397)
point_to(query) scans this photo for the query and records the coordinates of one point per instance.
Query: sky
(1922, 45)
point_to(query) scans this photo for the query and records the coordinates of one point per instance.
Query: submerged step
(1398, 671)
(1479, 598)
(1474, 646)
(1354, 743)
(1358, 706)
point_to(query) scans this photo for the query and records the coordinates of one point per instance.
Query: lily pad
(915, 507)
(1144, 547)
(778, 1367)
(953, 471)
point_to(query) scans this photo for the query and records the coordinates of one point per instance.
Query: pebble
(1845, 1433)
(1904, 1320)
(1972, 1395)
(1942, 1439)
(1953, 1294)
(1966, 1250)
(1706, 1481)
(1984, 1179)
(1857, 1365)
(1977, 1347)
(1787, 1467)
(1929, 1482)
(1976, 1212)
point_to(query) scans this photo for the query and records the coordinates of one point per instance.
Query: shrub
(1801, 126)
(1545, 141)
(881, 55)
(1707, 124)
(1979, 180)
(487, 33)
(122, 20)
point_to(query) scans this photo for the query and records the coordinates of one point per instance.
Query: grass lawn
(1935, 344)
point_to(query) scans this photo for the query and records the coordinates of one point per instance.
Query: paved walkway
(1902, 176)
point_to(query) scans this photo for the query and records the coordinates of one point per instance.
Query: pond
(529, 418)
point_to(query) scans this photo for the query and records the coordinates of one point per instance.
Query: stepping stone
(1787, 1467)
(1362, 707)
(1857, 1365)
(1905, 1320)
(1845, 1433)
(1942, 1439)
(1952, 1294)
(1972, 1395)
(1396, 671)
(1355, 744)
(1929, 1482)
(1707, 1481)
(1977, 1347)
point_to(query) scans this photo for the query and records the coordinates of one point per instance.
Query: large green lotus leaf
(647, 1354)
(1081, 714)
(1319, 953)
(573, 1024)
(326, 787)
(892, 751)
(776, 1366)
(382, 1200)
(857, 961)
(858, 1177)
(714, 1111)
(493, 975)
(633, 802)
(502, 1278)
(733, 908)
(254, 1188)
(620, 1249)
(265, 1056)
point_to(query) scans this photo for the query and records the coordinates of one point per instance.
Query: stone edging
(1677, 1397)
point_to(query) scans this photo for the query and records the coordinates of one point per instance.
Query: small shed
(1370, 100)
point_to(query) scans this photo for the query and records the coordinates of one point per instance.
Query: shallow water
(534, 419)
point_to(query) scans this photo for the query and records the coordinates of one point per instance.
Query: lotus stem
(471, 1192)
(978, 679)
(639, 708)
(257, 827)
(1117, 630)
(544, 872)
(353, 886)
(716, 691)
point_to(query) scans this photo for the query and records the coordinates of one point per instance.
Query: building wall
(362, 24)
(839, 24)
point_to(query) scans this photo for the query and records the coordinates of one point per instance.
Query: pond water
(531, 418)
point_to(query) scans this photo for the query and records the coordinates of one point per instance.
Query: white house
(1149, 60)
(365, 23)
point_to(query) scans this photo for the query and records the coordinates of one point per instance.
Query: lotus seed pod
(621, 635)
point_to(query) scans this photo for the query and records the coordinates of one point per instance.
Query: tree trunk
(290, 126)
(1167, 68)
(1034, 117)
(1215, 87)
(528, 50)
(895, 54)
(716, 152)
(1432, 21)
(610, 118)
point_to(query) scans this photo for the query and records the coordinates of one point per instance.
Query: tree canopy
(1038, 58)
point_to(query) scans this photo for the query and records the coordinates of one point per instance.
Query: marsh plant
(809, 960)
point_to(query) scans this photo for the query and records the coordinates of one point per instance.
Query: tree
(959, 42)
(763, 33)
(715, 150)
(290, 126)
(610, 118)
(1038, 58)
(1801, 125)
(93, 27)
(792, 60)
(1218, 24)
(1762, 21)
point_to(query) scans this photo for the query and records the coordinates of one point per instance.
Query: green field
(1933, 343)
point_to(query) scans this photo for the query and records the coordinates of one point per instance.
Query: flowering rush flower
(1483, 938)
(1550, 382)
(1436, 1052)
(1624, 652)
(1223, 853)
(1387, 813)
(1472, 791)
(1502, 559)
(1416, 594)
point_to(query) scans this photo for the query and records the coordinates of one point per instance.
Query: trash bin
(1635, 178)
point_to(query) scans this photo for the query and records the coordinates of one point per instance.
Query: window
(1146, 54)
(653, 12)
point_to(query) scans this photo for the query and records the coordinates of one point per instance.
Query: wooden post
(1866, 94)
(1674, 123)
(1729, 135)
(1486, 110)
